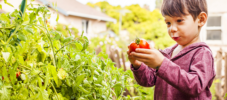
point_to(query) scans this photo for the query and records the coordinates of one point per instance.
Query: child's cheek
(169, 31)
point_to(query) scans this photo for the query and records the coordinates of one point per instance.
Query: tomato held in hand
(138, 43)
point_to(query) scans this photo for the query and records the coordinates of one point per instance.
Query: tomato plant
(51, 65)
(40, 63)
(138, 43)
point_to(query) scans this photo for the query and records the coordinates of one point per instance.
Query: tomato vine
(51, 65)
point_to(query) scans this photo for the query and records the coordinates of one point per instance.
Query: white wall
(224, 28)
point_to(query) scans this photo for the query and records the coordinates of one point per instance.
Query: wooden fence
(221, 84)
(117, 57)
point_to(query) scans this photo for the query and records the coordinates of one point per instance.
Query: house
(214, 33)
(72, 13)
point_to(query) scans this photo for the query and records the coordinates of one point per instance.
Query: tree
(140, 22)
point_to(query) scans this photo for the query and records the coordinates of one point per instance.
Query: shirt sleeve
(144, 76)
(201, 74)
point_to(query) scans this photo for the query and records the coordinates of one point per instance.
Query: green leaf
(68, 39)
(20, 59)
(22, 37)
(57, 36)
(47, 78)
(79, 79)
(41, 20)
(85, 45)
(29, 29)
(39, 82)
(100, 78)
(12, 75)
(79, 46)
(68, 82)
(53, 72)
(0, 6)
(5, 74)
(118, 89)
(4, 17)
(32, 17)
(6, 56)
(5, 93)
(83, 90)
(60, 97)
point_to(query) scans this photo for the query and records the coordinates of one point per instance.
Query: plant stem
(54, 90)
(6, 27)
(31, 89)
(52, 47)
(26, 67)
(12, 34)
(50, 41)
(65, 46)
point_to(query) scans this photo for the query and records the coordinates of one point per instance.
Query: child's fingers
(140, 55)
(142, 60)
(141, 50)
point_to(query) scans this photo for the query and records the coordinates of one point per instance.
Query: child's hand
(133, 61)
(151, 57)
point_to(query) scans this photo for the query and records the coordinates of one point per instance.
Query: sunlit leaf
(6, 56)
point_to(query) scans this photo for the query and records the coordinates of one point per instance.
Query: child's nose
(173, 29)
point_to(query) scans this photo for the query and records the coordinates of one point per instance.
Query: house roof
(217, 6)
(75, 8)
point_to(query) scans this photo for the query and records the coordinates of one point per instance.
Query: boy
(184, 71)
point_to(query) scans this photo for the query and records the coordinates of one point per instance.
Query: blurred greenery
(139, 22)
(212, 89)
(66, 30)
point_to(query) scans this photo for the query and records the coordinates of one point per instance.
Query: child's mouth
(176, 38)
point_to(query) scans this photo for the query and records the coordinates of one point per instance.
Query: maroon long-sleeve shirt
(186, 76)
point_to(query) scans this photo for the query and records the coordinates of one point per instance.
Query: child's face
(184, 30)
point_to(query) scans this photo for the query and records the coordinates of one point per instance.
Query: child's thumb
(151, 45)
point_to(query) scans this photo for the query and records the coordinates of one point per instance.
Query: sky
(123, 3)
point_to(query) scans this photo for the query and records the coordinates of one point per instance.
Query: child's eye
(168, 23)
(179, 20)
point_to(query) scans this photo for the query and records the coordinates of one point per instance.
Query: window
(214, 31)
(214, 35)
(85, 26)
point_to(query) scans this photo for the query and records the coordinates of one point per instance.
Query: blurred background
(111, 25)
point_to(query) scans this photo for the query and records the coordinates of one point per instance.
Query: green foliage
(52, 65)
(66, 31)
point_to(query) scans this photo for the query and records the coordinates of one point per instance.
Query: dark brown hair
(177, 8)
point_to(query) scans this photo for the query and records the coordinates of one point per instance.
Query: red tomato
(18, 74)
(133, 46)
(138, 43)
(2, 78)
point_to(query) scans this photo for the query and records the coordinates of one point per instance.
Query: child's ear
(202, 19)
